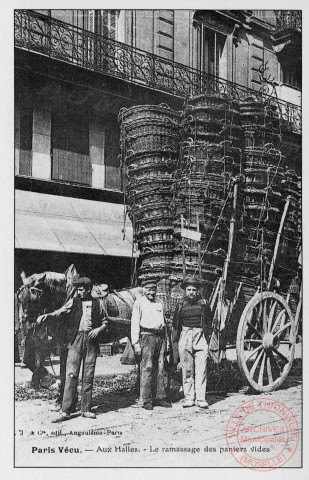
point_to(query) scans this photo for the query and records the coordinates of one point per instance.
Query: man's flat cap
(82, 282)
(149, 283)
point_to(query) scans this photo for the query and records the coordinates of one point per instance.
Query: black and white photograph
(158, 261)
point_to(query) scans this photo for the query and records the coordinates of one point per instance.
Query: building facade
(74, 72)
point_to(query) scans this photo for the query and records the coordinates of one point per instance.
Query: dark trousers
(63, 355)
(152, 367)
(81, 350)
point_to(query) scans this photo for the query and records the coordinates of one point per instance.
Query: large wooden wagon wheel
(266, 341)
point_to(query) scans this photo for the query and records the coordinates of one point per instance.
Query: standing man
(192, 323)
(148, 336)
(86, 320)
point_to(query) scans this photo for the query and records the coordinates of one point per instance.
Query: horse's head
(29, 298)
(41, 293)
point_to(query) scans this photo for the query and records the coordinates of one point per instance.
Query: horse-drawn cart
(209, 191)
(214, 177)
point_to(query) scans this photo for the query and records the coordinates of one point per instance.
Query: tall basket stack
(217, 167)
(209, 161)
(263, 197)
(149, 143)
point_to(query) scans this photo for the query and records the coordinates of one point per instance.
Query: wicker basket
(152, 142)
(144, 112)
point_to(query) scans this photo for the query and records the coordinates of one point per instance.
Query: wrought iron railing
(56, 39)
(288, 19)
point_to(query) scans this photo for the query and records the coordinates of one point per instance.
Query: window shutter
(109, 24)
(105, 30)
(70, 145)
(91, 15)
(165, 34)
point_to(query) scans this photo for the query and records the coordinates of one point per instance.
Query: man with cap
(148, 336)
(192, 323)
(86, 320)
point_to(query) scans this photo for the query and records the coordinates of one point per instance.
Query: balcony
(287, 35)
(50, 37)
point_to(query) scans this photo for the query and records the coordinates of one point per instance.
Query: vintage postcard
(158, 262)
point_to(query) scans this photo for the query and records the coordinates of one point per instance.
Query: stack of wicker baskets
(208, 162)
(184, 168)
(263, 195)
(149, 142)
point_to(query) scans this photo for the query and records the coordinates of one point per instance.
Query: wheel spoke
(265, 316)
(253, 352)
(271, 314)
(262, 357)
(256, 363)
(282, 329)
(283, 357)
(261, 374)
(278, 320)
(276, 366)
(269, 372)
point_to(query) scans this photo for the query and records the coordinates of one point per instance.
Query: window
(23, 138)
(103, 22)
(291, 76)
(112, 155)
(70, 145)
(106, 23)
(213, 52)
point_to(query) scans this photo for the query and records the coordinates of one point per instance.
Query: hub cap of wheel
(268, 341)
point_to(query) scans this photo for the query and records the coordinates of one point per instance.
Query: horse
(43, 293)
(48, 291)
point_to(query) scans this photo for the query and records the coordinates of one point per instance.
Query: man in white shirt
(148, 336)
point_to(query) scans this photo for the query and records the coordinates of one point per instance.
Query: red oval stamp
(262, 434)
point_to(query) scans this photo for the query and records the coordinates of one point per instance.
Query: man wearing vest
(86, 320)
(148, 336)
(192, 324)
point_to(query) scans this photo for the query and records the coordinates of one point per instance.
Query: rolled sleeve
(66, 308)
(135, 323)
